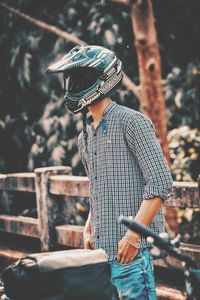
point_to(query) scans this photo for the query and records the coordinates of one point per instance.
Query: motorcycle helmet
(90, 74)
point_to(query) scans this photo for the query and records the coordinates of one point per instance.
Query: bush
(189, 224)
(184, 144)
(182, 93)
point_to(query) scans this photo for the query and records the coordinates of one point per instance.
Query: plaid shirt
(125, 164)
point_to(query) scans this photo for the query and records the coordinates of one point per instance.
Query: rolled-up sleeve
(141, 138)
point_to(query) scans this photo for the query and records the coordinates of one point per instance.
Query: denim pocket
(135, 262)
(134, 280)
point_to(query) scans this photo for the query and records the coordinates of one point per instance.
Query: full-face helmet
(90, 74)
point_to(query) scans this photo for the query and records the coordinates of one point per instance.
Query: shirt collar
(107, 111)
(109, 108)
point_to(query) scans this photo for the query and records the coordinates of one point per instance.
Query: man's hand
(88, 242)
(127, 252)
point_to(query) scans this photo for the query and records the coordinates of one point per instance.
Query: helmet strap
(85, 134)
(64, 81)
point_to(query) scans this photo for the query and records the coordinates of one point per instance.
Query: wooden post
(49, 212)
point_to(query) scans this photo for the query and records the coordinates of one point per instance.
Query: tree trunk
(152, 104)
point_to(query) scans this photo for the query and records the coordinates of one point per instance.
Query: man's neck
(97, 109)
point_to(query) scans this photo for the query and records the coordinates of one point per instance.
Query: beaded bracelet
(131, 243)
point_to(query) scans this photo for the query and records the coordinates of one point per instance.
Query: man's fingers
(122, 261)
(91, 244)
(88, 244)
(127, 260)
(119, 257)
(126, 253)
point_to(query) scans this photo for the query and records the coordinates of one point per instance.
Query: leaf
(177, 99)
(15, 53)
(27, 67)
(109, 37)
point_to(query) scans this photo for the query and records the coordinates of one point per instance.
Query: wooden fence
(47, 183)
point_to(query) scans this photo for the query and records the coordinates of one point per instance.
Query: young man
(125, 164)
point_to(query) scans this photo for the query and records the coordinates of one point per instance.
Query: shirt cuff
(156, 191)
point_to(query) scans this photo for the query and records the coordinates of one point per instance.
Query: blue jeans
(134, 281)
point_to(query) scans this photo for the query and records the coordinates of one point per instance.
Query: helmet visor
(80, 79)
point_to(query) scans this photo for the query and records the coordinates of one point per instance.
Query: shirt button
(95, 134)
(95, 177)
(95, 153)
(97, 236)
(97, 217)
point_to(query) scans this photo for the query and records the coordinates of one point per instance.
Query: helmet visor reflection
(80, 79)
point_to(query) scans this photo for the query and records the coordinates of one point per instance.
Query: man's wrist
(134, 244)
(133, 237)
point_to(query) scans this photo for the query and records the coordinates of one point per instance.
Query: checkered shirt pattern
(125, 164)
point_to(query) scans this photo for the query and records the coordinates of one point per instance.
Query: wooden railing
(47, 183)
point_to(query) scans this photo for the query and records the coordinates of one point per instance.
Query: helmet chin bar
(85, 103)
(101, 93)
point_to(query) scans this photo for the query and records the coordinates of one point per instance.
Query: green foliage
(189, 222)
(184, 144)
(178, 27)
(182, 93)
(55, 140)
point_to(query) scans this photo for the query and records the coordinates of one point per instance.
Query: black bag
(60, 275)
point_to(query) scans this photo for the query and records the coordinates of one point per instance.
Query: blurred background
(35, 128)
